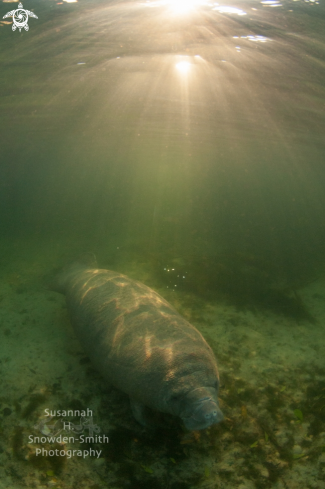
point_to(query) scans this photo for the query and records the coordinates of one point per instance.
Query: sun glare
(176, 6)
(183, 67)
(182, 6)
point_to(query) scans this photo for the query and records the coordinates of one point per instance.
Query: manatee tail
(59, 278)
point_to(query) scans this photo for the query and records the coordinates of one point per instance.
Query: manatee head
(200, 409)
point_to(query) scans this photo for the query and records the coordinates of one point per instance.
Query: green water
(184, 145)
(128, 148)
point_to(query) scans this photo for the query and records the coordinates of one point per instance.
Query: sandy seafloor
(272, 393)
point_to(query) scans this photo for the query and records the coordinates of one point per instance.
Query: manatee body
(141, 345)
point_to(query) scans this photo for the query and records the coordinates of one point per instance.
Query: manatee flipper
(151, 419)
(142, 414)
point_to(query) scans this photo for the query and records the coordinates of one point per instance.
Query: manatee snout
(202, 414)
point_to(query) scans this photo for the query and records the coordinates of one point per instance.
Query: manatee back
(136, 339)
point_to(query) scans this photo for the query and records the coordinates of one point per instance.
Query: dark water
(181, 136)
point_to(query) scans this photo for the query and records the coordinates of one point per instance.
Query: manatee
(141, 344)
